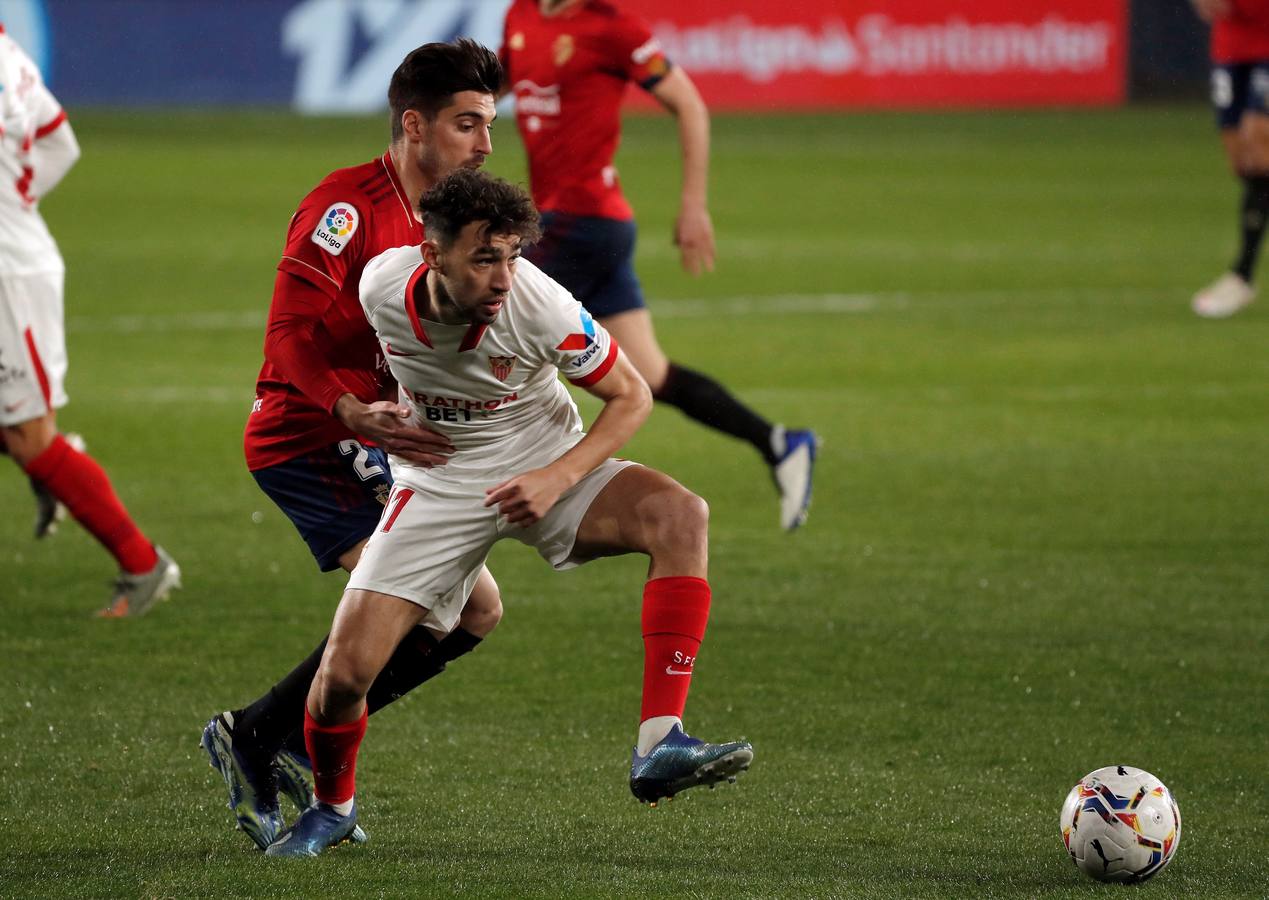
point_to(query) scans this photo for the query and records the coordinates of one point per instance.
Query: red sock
(75, 479)
(332, 749)
(675, 611)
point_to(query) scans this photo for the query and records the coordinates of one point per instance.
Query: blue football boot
(253, 791)
(679, 762)
(317, 828)
(792, 472)
(295, 778)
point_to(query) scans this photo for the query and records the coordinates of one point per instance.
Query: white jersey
(492, 390)
(36, 150)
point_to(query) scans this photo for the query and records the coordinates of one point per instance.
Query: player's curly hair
(430, 75)
(469, 195)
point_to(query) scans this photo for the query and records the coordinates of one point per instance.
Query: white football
(1120, 824)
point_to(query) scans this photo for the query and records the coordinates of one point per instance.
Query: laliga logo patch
(580, 341)
(335, 228)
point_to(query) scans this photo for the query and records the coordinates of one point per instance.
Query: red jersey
(569, 73)
(318, 344)
(1243, 35)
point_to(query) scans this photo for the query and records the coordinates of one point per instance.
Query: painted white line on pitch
(185, 396)
(666, 307)
(144, 323)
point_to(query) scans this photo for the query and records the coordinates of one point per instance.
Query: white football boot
(1223, 297)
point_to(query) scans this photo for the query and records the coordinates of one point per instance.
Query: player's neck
(439, 306)
(552, 8)
(413, 181)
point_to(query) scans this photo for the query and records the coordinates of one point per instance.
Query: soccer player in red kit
(568, 62)
(321, 422)
(37, 148)
(1240, 96)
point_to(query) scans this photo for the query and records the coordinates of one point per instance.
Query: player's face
(476, 272)
(459, 135)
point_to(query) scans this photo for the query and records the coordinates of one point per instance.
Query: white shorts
(430, 546)
(32, 347)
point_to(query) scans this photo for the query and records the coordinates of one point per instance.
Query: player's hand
(694, 236)
(1211, 10)
(525, 499)
(388, 425)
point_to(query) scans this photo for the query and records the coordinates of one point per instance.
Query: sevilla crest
(502, 366)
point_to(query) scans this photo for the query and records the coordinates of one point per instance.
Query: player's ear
(412, 124)
(432, 255)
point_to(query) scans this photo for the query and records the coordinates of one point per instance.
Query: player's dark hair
(432, 74)
(468, 195)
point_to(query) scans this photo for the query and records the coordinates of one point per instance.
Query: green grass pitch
(1039, 543)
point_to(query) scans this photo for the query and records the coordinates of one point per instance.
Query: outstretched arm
(528, 497)
(693, 231)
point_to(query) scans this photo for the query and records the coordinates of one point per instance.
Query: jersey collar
(475, 331)
(386, 159)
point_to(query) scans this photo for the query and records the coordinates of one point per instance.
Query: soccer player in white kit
(37, 148)
(476, 339)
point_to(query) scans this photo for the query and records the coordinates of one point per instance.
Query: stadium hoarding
(754, 54)
(335, 56)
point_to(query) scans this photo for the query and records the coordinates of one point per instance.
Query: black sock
(261, 728)
(709, 403)
(418, 657)
(1255, 212)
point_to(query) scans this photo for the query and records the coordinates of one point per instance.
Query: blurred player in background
(477, 340)
(568, 63)
(1240, 94)
(37, 148)
(317, 433)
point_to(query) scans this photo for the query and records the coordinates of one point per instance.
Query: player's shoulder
(388, 273)
(535, 287)
(360, 185)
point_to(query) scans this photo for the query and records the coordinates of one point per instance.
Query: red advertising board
(759, 54)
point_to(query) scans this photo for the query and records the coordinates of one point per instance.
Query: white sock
(342, 808)
(652, 730)
(778, 444)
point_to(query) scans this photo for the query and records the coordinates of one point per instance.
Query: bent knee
(340, 682)
(482, 615)
(681, 518)
(25, 441)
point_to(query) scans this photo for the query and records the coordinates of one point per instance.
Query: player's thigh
(1240, 97)
(555, 535)
(367, 629)
(429, 549)
(640, 510)
(333, 496)
(32, 347)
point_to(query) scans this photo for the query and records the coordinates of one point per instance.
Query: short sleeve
(636, 52)
(583, 349)
(327, 236)
(32, 101)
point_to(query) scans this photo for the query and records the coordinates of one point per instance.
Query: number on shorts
(400, 497)
(1222, 89)
(364, 472)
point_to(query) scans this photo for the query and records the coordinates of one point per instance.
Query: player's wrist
(347, 407)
